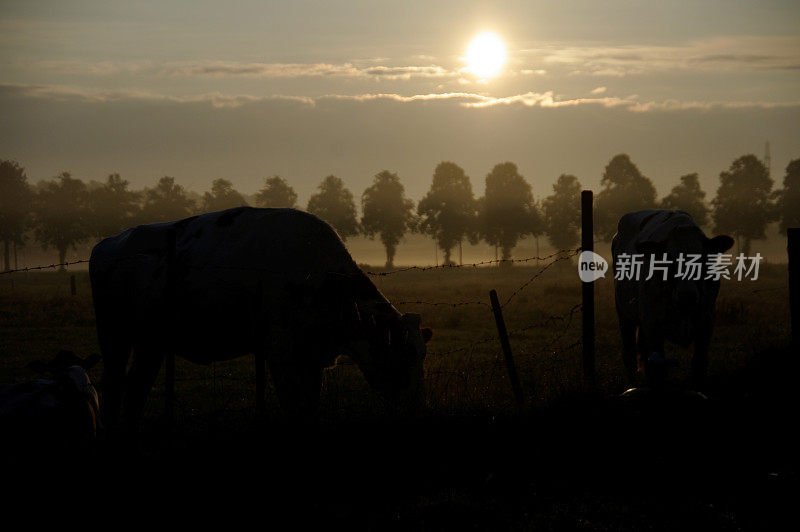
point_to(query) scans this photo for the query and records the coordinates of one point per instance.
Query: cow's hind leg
(143, 374)
(297, 384)
(116, 353)
(627, 329)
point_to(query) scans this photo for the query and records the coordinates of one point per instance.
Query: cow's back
(229, 276)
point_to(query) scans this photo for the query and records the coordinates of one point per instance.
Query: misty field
(464, 369)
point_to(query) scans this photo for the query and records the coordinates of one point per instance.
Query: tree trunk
(446, 257)
(62, 258)
(460, 254)
(16, 264)
(390, 251)
(507, 254)
(6, 260)
(746, 246)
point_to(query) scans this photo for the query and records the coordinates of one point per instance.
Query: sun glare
(486, 55)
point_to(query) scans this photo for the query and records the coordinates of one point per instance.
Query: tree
(507, 210)
(334, 204)
(625, 190)
(222, 196)
(562, 212)
(386, 212)
(742, 206)
(277, 194)
(788, 198)
(61, 210)
(688, 196)
(15, 200)
(448, 210)
(112, 207)
(166, 201)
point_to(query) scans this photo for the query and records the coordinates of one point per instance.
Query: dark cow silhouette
(652, 311)
(59, 411)
(274, 282)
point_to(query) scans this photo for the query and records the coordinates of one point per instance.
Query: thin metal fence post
(587, 292)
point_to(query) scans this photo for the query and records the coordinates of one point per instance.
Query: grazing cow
(677, 309)
(278, 283)
(59, 412)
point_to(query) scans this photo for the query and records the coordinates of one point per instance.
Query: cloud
(545, 100)
(67, 93)
(293, 70)
(723, 54)
(598, 90)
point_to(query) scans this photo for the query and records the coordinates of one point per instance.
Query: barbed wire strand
(31, 268)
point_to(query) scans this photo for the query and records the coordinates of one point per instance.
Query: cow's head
(70, 371)
(683, 301)
(393, 361)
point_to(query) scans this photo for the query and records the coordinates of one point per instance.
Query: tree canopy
(166, 201)
(62, 214)
(688, 196)
(562, 212)
(624, 190)
(334, 203)
(386, 212)
(507, 210)
(743, 206)
(112, 207)
(15, 199)
(276, 193)
(448, 211)
(222, 196)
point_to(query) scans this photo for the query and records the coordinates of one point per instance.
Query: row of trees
(65, 211)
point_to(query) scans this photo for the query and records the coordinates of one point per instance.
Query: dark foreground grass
(474, 461)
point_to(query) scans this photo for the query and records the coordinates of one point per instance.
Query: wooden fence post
(73, 289)
(169, 359)
(504, 343)
(793, 249)
(587, 291)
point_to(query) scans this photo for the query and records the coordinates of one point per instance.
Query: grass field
(464, 373)
(564, 461)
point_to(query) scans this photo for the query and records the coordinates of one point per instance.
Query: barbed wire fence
(466, 372)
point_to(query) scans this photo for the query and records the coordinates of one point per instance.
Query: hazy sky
(244, 90)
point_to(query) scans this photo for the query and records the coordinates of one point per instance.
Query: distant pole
(793, 249)
(73, 289)
(504, 343)
(587, 290)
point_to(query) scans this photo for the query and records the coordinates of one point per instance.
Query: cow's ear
(719, 244)
(427, 334)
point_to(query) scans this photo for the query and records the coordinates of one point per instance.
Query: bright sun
(486, 55)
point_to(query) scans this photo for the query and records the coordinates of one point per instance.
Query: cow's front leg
(297, 381)
(144, 371)
(651, 349)
(700, 358)
(627, 330)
